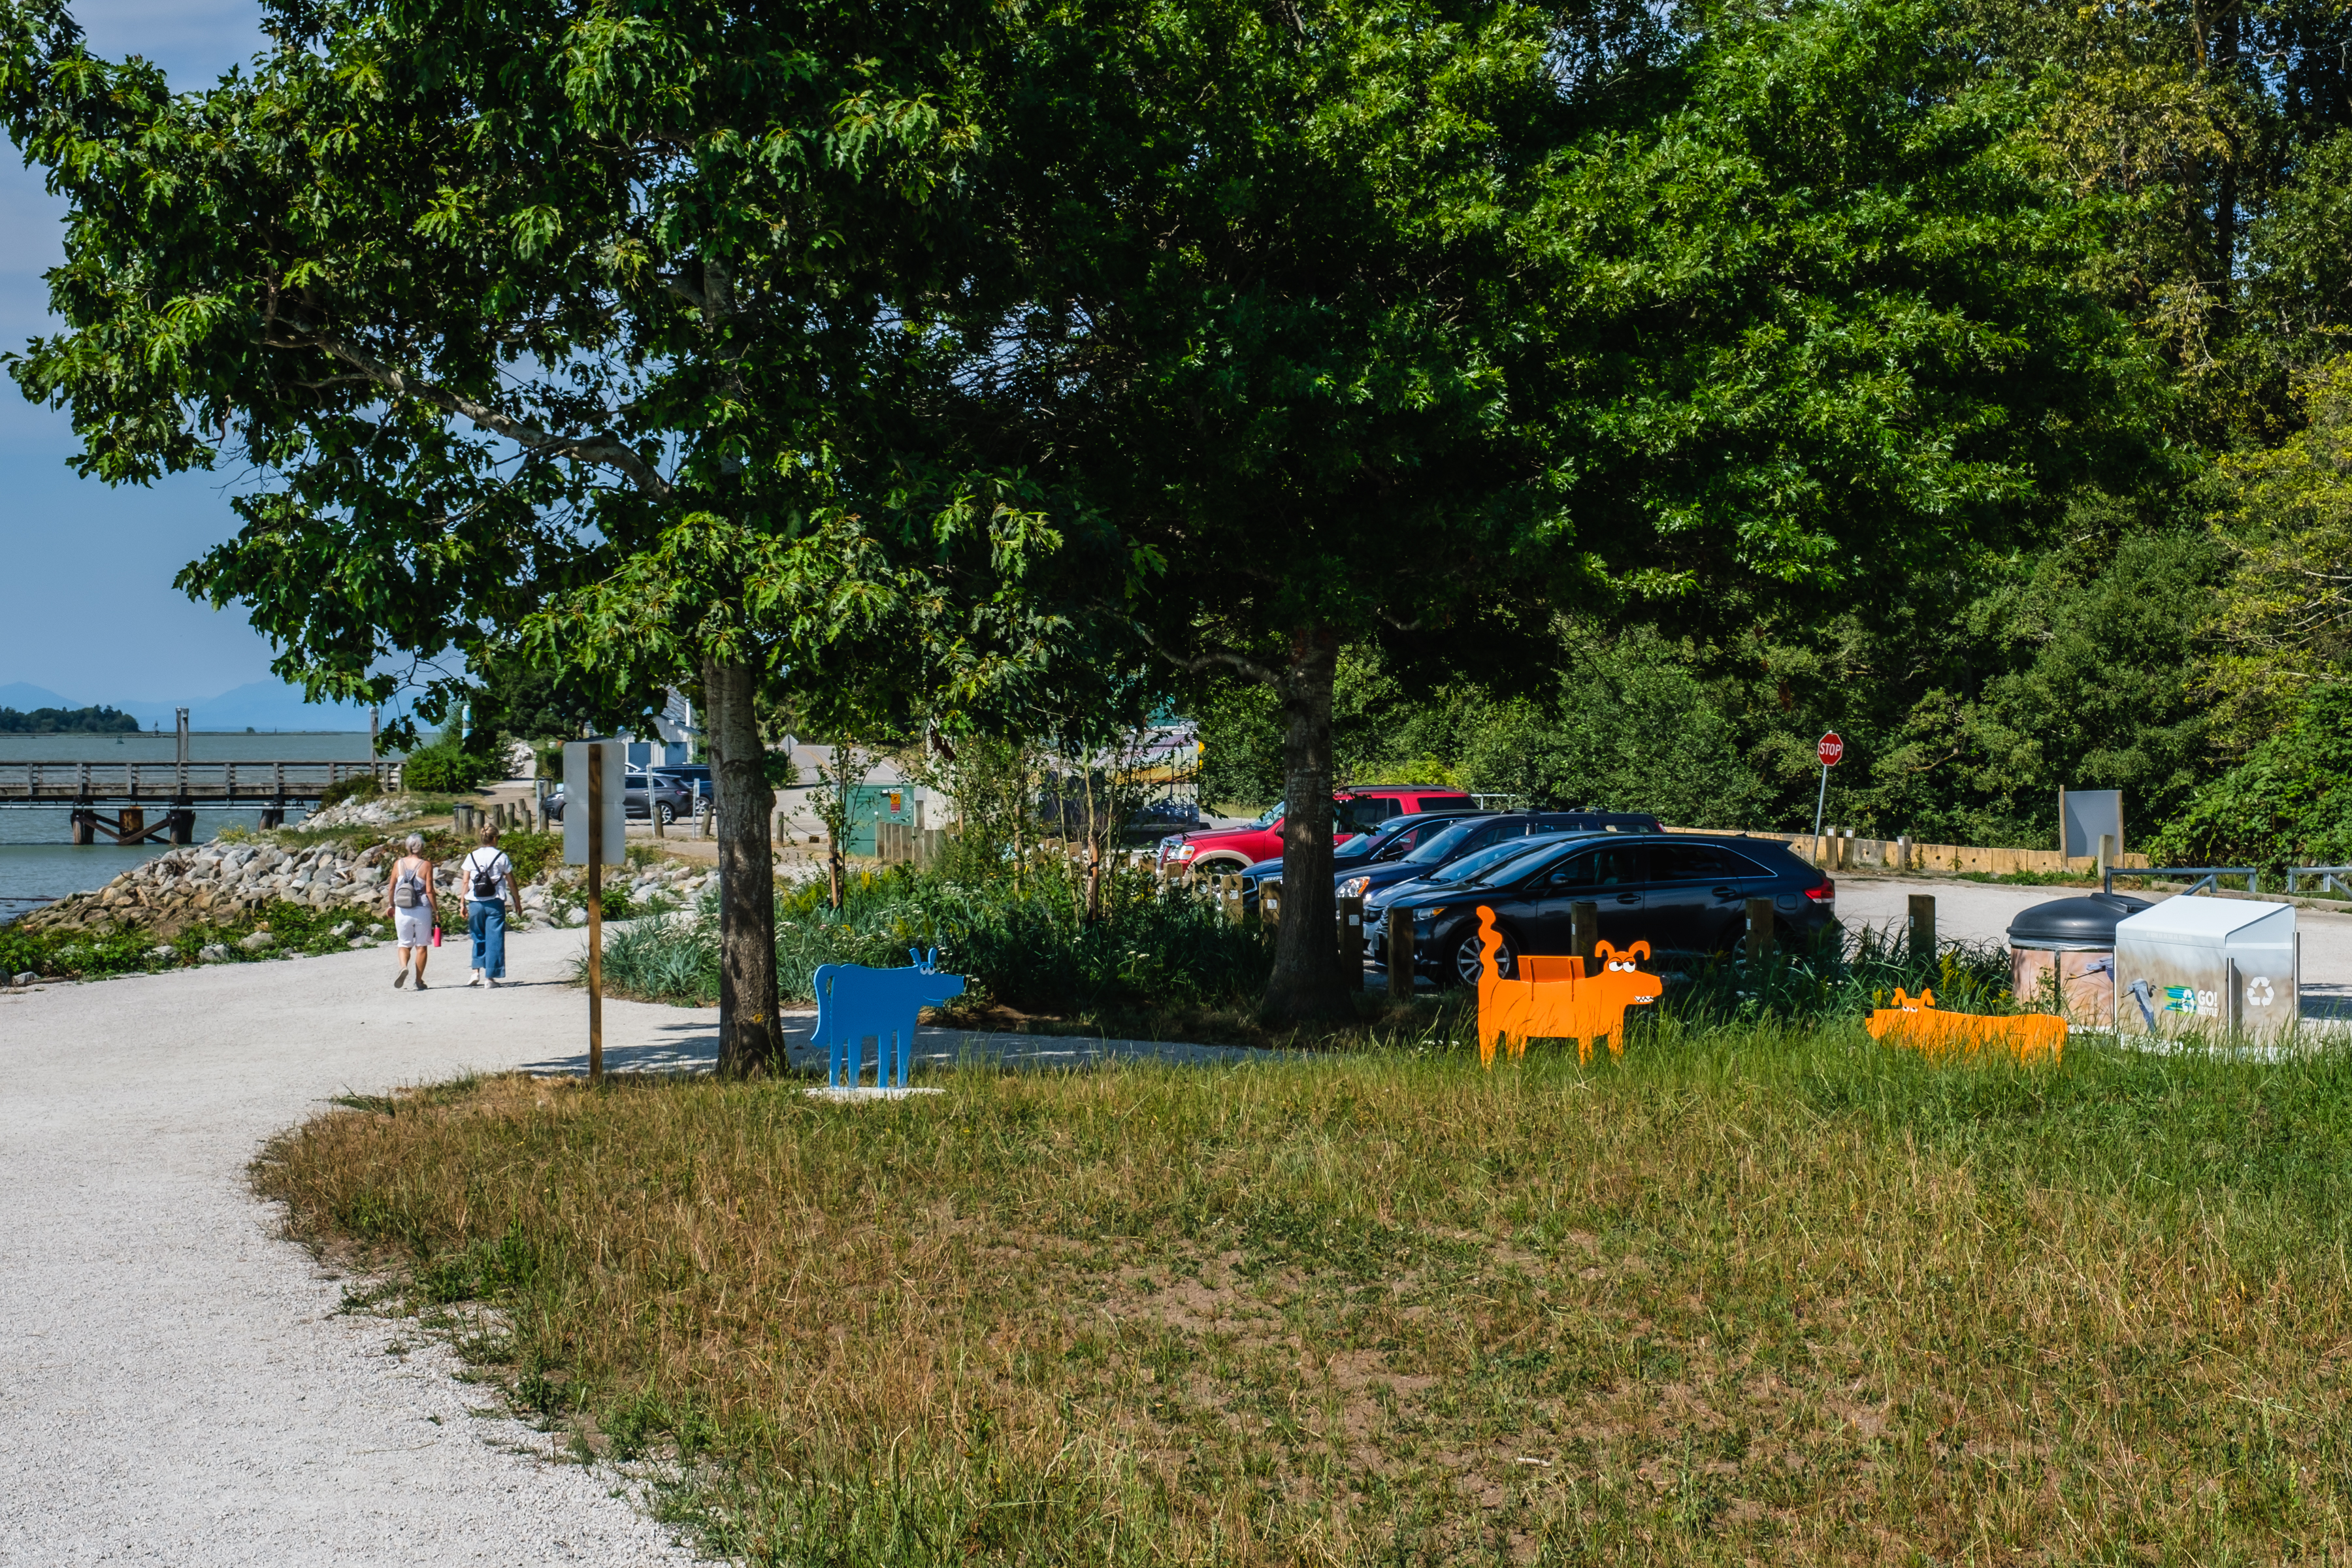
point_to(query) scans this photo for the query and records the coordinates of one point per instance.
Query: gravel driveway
(173, 1385)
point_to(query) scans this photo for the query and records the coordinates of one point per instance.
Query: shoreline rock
(229, 882)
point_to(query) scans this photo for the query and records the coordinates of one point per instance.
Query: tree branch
(1211, 660)
(603, 452)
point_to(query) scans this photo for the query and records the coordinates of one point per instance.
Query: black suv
(1679, 892)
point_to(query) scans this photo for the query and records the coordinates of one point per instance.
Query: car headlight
(1353, 888)
(1186, 851)
(1427, 915)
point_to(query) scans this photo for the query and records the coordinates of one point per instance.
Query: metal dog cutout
(854, 1001)
(1557, 1001)
(1938, 1035)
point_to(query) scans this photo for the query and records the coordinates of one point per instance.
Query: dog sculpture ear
(1604, 952)
(1639, 950)
(914, 956)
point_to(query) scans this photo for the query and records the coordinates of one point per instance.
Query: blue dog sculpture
(853, 1002)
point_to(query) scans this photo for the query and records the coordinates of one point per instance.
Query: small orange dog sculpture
(1938, 1036)
(1557, 1001)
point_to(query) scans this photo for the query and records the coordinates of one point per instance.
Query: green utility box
(872, 805)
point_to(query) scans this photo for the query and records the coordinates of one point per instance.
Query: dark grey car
(643, 796)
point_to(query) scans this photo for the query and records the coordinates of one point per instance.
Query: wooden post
(2106, 856)
(1351, 942)
(1269, 906)
(85, 827)
(1922, 928)
(1583, 930)
(1760, 930)
(1400, 955)
(595, 915)
(132, 825)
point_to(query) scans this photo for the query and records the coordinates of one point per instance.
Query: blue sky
(91, 613)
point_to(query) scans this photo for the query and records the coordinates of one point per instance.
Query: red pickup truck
(1357, 809)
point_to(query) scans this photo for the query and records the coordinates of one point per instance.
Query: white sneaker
(493, 982)
(478, 979)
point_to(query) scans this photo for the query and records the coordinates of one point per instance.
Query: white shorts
(413, 927)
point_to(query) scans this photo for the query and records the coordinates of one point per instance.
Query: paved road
(1981, 912)
(174, 1387)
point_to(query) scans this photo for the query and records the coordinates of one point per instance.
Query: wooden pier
(171, 791)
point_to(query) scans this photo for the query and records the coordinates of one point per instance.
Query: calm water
(38, 863)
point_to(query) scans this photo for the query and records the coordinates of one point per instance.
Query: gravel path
(1980, 911)
(175, 1384)
(174, 1387)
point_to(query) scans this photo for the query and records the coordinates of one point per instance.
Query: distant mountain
(27, 697)
(258, 705)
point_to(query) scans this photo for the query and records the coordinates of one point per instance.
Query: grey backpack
(409, 890)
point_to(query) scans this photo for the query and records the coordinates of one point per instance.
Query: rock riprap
(226, 883)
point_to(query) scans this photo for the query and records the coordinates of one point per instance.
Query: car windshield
(1384, 836)
(1487, 864)
(1269, 816)
(1435, 849)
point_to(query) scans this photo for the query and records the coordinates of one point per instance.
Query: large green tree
(597, 326)
(1380, 323)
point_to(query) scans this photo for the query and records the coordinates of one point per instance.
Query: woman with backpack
(487, 874)
(414, 915)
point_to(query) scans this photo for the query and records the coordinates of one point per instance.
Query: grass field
(1754, 1295)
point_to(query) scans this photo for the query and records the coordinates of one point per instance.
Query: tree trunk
(1306, 985)
(751, 1037)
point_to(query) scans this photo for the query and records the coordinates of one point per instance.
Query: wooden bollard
(1760, 930)
(1399, 935)
(1583, 930)
(1922, 928)
(1351, 924)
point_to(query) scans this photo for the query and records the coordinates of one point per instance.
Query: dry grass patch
(1752, 1297)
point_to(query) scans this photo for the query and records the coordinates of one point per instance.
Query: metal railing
(2204, 879)
(2331, 878)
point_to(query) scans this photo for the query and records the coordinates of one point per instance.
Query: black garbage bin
(2073, 939)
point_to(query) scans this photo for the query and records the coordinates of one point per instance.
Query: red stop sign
(1830, 749)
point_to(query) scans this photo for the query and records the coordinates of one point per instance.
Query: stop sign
(1829, 750)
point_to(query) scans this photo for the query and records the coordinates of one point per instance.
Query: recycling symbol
(2258, 991)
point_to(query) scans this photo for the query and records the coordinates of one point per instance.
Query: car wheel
(1469, 966)
(668, 814)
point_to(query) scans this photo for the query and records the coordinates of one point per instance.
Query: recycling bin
(2194, 966)
(2061, 956)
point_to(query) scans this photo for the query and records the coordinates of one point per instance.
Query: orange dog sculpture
(1938, 1035)
(1557, 1001)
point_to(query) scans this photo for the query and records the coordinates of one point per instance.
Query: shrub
(360, 787)
(1026, 947)
(443, 769)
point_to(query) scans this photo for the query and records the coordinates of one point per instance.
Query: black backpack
(486, 882)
